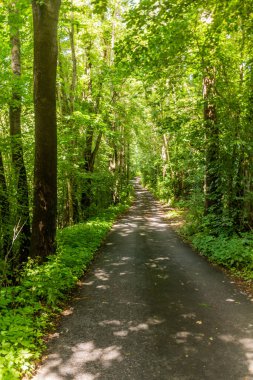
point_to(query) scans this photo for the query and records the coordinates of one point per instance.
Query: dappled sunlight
(110, 323)
(132, 225)
(139, 327)
(138, 218)
(121, 333)
(81, 354)
(163, 276)
(84, 353)
(88, 376)
(117, 264)
(230, 300)
(247, 344)
(127, 327)
(125, 232)
(67, 312)
(101, 275)
(227, 338)
(187, 338)
(182, 336)
(92, 360)
(160, 266)
(189, 316)
(104, 287)
(147, 312)
(88, 352)
(154, 263)
(159, 259)
(190, 342)
(88, 283)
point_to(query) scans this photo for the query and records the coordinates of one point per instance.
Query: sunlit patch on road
(152, 309)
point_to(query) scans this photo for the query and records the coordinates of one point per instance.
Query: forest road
(151, 308)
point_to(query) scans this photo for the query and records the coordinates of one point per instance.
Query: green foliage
(215, 239)
(191, 163)
(231, 252)
(26, 310)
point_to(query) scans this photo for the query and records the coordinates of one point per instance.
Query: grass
(27, 310)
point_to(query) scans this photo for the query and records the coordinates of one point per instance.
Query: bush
(230, 252)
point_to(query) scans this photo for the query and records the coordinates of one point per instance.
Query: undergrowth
(234, 253)
(221, 244)
(26, 310)
(213, 237)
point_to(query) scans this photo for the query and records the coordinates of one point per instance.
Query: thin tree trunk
(72, 187)
(248, 173)
(45, 18)
(128, 163)
(74, 66)
(23, 217)
(90, 155)
(212, 179)
(64, 101)
(67, 105)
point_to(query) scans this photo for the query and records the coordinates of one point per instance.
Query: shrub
(232, 252)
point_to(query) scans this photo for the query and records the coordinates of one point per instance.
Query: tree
(45, 18)
(204, 50)
(212, 176)
(22, 214)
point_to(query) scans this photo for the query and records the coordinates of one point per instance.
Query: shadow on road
(150, 308)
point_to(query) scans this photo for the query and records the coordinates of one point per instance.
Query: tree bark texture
(45, 18)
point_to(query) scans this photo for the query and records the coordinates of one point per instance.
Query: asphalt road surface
(151, 308)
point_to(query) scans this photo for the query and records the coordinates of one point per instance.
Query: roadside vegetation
(28, 310)
(232, 251)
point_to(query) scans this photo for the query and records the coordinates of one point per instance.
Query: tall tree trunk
(23, 217)
(45, 18)
(74, 66)
(71, 212)
(63, 96)
(212, 178)
(166, 157)
(248, 174)
(72, 203)
(90, 152)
